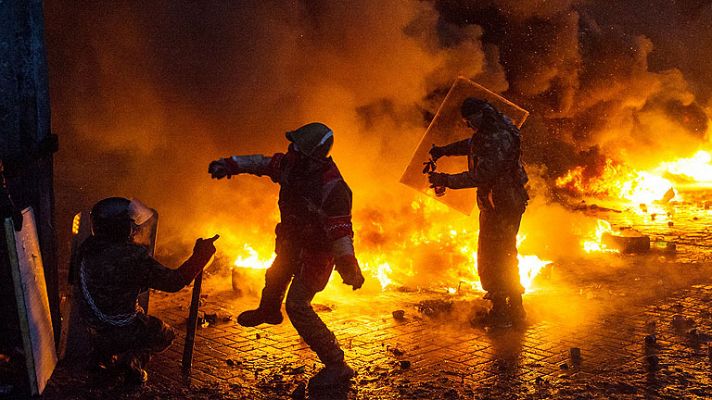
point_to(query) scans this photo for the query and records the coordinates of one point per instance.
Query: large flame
(252, 259)
(652, 187)
(443, 238)
(595, 243)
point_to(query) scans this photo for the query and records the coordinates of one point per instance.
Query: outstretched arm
(256, 164)
(153, 274)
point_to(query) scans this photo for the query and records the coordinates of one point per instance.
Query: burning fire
(596, 244)
(448, 243)
(655, 186)
(252, 259)
(695, 171)
(643, 191)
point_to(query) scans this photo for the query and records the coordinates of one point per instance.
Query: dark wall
(26, 143)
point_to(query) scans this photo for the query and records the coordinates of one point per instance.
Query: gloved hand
(205, 248)
(438, 179)
(218, 169)
(347, 267)
(436, 152)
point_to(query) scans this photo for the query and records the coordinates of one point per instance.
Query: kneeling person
(112, 272)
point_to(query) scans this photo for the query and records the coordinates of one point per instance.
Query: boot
(269, 311)
(516, 309)
(134, 374)
(332, 375)
(498, 316)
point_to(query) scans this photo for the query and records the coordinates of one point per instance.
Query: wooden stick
(192, 325)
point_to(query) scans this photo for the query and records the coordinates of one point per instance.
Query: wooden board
(32, 301)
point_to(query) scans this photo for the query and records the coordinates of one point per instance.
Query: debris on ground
(682, 323)
(322, 308)
(296, 371)
(435, 308)
(217, 317)
(627, 241)
(232, 363)
(396, 351)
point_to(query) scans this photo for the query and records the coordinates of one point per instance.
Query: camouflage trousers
(299, 309)
(133, 343)
(497, 263)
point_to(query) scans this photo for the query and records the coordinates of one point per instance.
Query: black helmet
(110, 219)
(314, 139)
(473, 105)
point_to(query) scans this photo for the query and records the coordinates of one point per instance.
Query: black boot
(498, 316)
(269, 311)
(134, 374)
(516, 309)
(332, 375)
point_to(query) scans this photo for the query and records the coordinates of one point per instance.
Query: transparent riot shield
(447, 127)
(73, 341)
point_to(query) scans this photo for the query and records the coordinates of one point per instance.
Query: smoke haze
(146, 94)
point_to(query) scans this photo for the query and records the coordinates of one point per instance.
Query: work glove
(347, 267)
(436, 152)
(218, 169)
(438, 179)
(203, 251)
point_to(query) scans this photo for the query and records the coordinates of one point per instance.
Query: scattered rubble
(682, 323)
(434, 308)
(233, 363)
(398, 315)
(627, 241)
(322, 308)
(396, 351)
(297, 370)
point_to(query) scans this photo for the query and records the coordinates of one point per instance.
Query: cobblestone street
(442, 356)
(608, 326)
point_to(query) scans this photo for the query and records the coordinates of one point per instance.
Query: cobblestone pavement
(640, 323)
(442, 356)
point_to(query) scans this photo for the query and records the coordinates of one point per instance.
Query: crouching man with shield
(112, 271)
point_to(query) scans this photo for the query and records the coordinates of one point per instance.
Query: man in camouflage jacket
(496, 170)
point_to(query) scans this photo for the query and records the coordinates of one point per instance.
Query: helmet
(473, 105)
(313, 140)
(110, 219)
